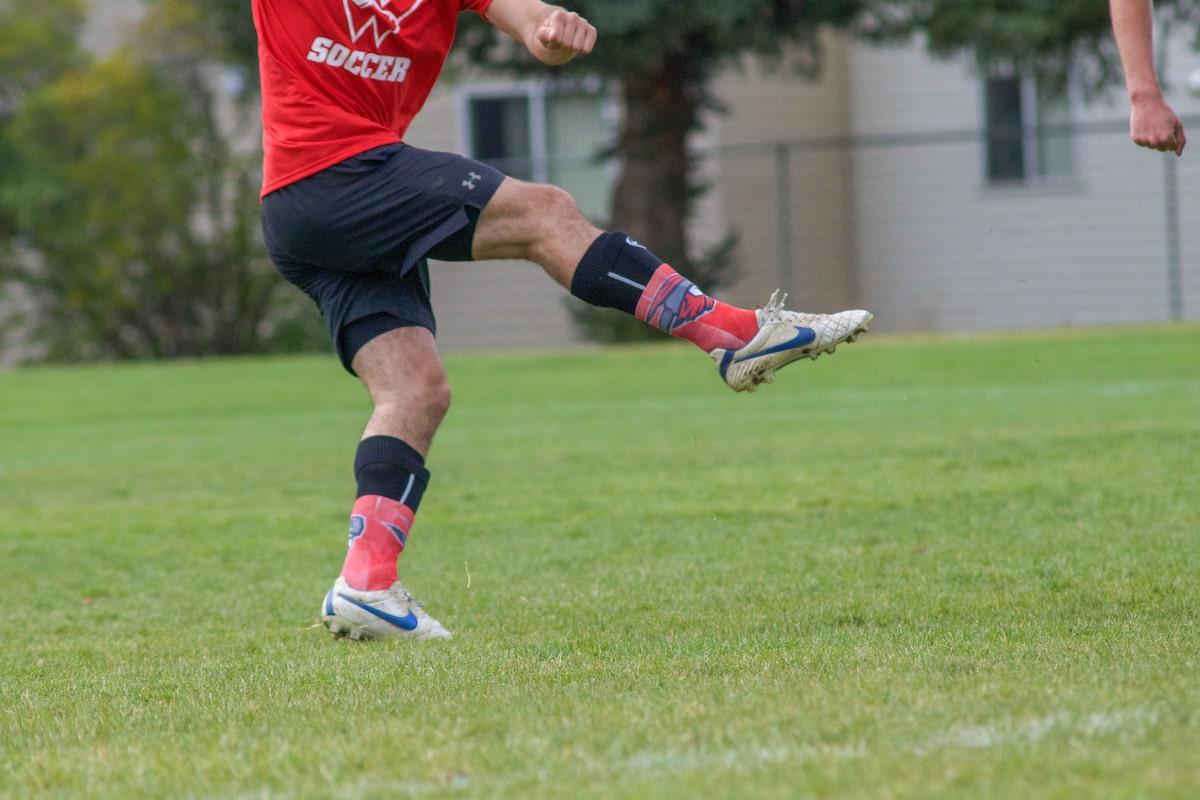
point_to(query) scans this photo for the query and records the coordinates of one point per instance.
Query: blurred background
(953, 165)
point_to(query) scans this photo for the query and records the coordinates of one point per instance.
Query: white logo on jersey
(375, 66)
(374, 14)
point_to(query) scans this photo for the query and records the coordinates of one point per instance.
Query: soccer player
(1152, 123)
(350, 215)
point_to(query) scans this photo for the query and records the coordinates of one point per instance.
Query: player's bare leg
(542, 224)
(403, 373)
(535, 222)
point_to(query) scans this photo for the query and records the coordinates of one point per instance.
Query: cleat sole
(341, 630)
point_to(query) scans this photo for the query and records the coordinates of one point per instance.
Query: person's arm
(1152, 123)
(554, 35)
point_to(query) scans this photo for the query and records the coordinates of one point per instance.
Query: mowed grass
(921, 568)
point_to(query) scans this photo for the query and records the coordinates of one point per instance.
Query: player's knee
(556, 203)
(431, 390)
(426, 392)
(437, 394)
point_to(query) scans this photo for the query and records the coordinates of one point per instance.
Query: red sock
(378, 531)
(672, 303)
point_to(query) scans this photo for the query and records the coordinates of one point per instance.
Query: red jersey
(342, 76)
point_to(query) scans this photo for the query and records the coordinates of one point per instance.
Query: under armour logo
(471, 178)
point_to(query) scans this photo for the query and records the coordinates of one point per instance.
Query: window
(500, 134)
(544, 132)
(1028, 133)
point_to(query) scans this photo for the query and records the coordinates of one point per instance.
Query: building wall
(938, 248)
(800, 202)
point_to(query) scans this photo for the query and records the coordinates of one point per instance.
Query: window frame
(536, 92)
(1027, 86)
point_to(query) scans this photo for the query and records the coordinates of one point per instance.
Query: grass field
(922, 568)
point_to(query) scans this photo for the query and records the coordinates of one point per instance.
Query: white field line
(1133, 722)
(1124, 722)
(1127, 723)
(738, 758)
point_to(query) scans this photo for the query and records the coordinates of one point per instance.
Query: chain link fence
(997, 228)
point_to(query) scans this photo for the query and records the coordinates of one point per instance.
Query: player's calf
(748, 346)
(618, 272)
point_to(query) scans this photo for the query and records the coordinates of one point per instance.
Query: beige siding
(939, 248)
(766, 107)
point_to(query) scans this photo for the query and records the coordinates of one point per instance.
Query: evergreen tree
(1052, 38)
(135, 217)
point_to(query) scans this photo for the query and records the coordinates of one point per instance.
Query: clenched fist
(562, 36)
(1154, 124)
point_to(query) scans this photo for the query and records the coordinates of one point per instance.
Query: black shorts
(355, 236)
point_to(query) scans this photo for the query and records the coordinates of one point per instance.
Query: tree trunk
(653, 196)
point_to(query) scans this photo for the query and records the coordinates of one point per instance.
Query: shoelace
(412, 600)
(770, 312)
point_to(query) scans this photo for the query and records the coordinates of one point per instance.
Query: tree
(135, 214)
(229, 27)
(1052, 39)
(39, 44)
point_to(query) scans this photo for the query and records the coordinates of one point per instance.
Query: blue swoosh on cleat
(408, 623)
(803, 336)
(726, 360)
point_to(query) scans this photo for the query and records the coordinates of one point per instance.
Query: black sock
(614, 272)
(388, 467)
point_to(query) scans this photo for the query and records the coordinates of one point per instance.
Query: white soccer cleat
(384, 614)
(783, 337)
